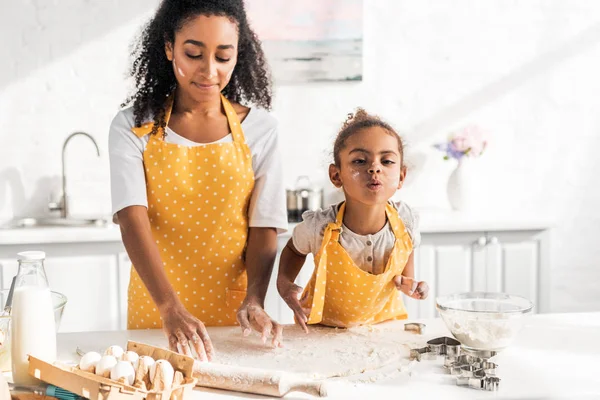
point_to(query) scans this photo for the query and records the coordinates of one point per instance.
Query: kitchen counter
(553, 357)
(431, 221)
(446, 221)
(60, 234)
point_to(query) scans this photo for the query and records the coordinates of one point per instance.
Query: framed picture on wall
(310, 40)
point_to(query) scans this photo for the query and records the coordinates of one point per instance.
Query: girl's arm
(406, 282)
(290, 264)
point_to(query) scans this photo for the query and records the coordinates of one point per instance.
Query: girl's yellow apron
(341, 294)
(197, 204)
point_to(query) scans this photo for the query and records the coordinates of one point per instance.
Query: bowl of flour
(483, 320)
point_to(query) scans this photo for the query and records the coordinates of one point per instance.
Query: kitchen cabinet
(515, 262)
(81, 263)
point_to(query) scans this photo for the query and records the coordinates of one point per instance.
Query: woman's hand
(183, 330)
(412, 288)
(291, 293)
(251, 315)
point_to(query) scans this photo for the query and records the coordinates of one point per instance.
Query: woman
(196, 177)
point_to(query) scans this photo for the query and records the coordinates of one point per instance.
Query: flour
(323, 353)
(483, 331)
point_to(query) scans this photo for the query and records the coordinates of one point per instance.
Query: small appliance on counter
(304, 197)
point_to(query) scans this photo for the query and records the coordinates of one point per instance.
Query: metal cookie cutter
(474, 372)
(415, 327)
(479, 381)
(454, 365)
(471, 369)
(443, 346)
(424, 353)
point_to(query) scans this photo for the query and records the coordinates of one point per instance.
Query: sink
(45, 222)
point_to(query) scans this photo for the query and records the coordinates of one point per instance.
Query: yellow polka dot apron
(341, 294)
(198, 208)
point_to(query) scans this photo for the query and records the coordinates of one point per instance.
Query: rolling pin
(255, 380)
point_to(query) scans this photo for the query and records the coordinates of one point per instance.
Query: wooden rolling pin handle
(254, 380)
(314, 388)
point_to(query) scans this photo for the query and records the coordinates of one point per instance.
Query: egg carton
(472, 369)
(94, 387)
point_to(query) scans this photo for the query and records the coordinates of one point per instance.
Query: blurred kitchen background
(526, 72)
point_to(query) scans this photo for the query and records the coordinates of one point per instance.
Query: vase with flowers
(463, 146)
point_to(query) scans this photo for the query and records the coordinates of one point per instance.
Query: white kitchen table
(554, 357)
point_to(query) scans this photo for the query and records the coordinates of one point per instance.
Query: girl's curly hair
(356, 122)
(153, 72)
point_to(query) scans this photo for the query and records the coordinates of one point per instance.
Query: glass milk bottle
(33, 331)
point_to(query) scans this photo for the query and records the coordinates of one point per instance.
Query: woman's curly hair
(153, 72)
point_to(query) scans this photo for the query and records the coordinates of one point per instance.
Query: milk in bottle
(33, 331)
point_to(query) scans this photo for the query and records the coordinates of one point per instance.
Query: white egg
(116, 351)
(147, 360)
(130, 356)
(105, 365)
(123, 369)
(168, 372)
(89, 361)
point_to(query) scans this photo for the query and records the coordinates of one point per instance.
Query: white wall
(525, 70)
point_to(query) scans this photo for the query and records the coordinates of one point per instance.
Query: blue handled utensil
(49, 390)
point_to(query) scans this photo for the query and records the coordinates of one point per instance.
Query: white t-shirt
(267, 203)
(369, 252)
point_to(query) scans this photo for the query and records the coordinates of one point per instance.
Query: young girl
(363, 247)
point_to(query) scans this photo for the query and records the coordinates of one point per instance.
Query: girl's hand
(184, 330)
(411, 287)
(251, 315)
(291, 293)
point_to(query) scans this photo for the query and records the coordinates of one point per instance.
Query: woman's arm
(260, 257)
(290, 264)
(179, 325)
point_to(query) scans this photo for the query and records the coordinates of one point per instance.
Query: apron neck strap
(233, 120)
(162, 132)
(336, 228)
(395, 222)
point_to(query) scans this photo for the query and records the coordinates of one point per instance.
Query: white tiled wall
(525, 70)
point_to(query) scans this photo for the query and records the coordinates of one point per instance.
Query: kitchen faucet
(62, 205)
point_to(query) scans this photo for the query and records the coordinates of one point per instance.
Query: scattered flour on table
(324, 352)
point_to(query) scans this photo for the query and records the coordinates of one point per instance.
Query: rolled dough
(323, 353)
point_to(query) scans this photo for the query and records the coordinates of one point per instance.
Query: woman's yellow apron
(197, 204)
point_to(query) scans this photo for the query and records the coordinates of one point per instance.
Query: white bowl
(482, 320)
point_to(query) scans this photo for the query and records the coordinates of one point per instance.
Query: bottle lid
(31, 255)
